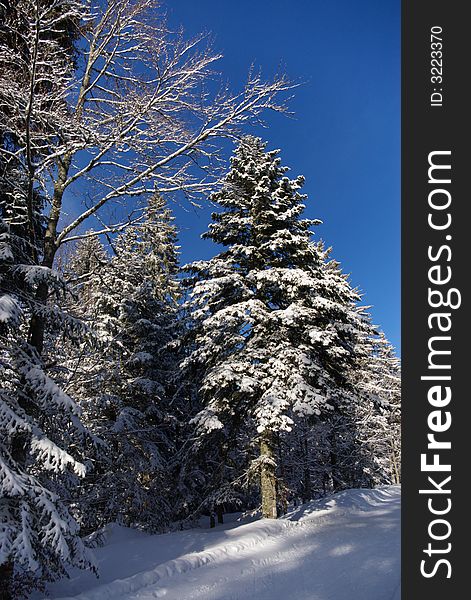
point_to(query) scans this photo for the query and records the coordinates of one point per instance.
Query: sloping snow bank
(348, 500)
(343, 547)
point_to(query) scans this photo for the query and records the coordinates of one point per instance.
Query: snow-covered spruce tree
(363, 440)
(275, 329)
(327, 452)
(39, 424)
(379, 422)
(123, 386)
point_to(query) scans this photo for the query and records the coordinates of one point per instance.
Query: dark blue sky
(345, 137)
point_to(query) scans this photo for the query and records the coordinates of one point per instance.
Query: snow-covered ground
(344, 547)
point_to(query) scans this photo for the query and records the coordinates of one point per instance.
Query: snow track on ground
(306, 555)
(188, 562)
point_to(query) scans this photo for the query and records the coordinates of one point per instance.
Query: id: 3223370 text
(436, 65)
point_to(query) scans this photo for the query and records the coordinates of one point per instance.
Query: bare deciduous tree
(135, 111)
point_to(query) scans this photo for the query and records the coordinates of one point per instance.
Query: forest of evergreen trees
(134, 389)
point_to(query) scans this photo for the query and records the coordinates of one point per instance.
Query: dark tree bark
(38, 325)
(307, 484)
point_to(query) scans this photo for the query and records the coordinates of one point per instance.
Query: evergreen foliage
(276, 324)
(40, 430)
(123, 385)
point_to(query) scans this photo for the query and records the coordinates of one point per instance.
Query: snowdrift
(342, 547)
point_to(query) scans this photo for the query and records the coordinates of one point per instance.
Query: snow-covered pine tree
(124, 385)
(39, 424)
(324, 453)
(275, 330)
(391, 379)
(364, 439)
(379, 422)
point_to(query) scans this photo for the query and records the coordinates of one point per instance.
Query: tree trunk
(333, 463)
(281, 494)
(394, 465)
(37, 324)
(307, 485)
(220, 513)
(268, 478)
(333, 471)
